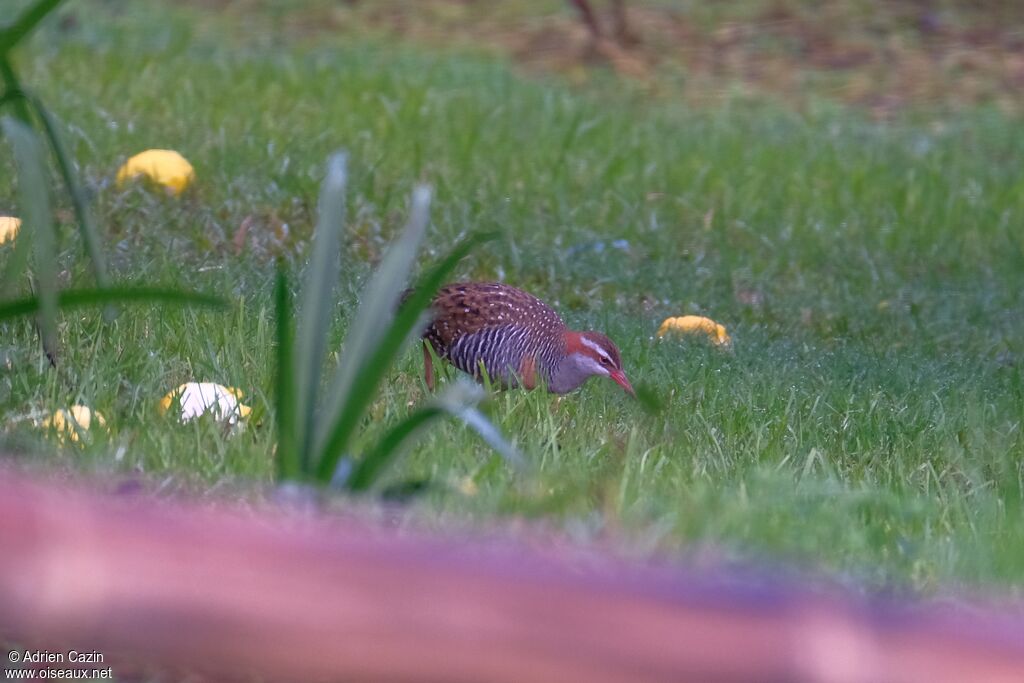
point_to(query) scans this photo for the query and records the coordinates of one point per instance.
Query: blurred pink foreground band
(236, 594)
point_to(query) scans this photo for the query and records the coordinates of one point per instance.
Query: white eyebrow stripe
(591, 345)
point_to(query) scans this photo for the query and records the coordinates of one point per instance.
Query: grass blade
(80, 298)
(369, 329)
(372, 371)
(317, 303)
(37, 216)
(15, 32)
(287, 448)
(90, 236)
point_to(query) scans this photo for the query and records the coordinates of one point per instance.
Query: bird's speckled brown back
(497, 325)
(465, 308)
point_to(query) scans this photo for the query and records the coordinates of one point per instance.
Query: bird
(517, 339)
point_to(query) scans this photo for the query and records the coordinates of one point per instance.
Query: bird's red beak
(620, 378)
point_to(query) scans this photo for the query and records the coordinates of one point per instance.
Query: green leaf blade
(79, 298)
(37, 222)
(351, 389)
(369, 468)
(460, 401)
(86, 226)
(288, 462)
(15, 32)
(317, 298)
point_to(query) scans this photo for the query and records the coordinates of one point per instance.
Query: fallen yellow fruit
(69, 422)
(162, 166)
(467, 486)
(690, 324)
(197, 398)
(9, 227)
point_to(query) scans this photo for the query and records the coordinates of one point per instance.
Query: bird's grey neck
(568, 375)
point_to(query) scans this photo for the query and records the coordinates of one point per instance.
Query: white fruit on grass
(200, 398)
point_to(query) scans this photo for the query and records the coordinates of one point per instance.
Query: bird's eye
(605, 360)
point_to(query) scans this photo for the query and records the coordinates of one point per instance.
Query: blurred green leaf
(13, 95)
(649, 399)
(459, 400)
(315, 315)
(90, 236)
(37, 223)
(15, 32)
(111, 295)
(372, 464)
(288, 461)
(348, 398)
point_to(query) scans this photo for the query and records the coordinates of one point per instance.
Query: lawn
(867, 421)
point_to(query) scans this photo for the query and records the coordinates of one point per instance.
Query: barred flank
(502, 351)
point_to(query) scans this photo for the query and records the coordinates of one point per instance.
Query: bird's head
(588, 354)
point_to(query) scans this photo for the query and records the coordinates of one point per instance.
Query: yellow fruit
(9, 227)
(691, 324)
(467, 486)
(69, 422)
(196, 398)
(162, 166)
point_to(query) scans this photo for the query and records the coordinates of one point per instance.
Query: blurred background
(882, 57)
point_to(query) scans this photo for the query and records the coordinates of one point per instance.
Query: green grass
(868, 421)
